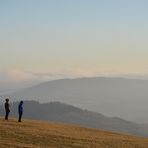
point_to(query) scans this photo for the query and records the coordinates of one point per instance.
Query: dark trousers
(7, 114)
(20, 116)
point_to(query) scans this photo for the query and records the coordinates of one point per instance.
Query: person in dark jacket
(7, 109)
(20, 110)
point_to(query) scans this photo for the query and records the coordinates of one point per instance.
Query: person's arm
(8, 107)
(22, 109)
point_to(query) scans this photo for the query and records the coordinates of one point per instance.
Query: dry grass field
(37, 134)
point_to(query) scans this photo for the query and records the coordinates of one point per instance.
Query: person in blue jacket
(20, 110)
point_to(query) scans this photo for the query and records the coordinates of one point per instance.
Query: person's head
(7, 99)
(21, 102)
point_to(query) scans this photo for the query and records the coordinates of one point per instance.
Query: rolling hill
(119, 97)
(60, 112)
(37, 134)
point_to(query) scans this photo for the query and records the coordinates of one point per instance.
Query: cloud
(18, 75)
(22, 76)
(17, 79)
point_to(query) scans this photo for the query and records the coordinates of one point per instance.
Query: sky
(49, 39)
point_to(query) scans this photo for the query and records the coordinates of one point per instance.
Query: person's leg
(6, 116)
(20, 117)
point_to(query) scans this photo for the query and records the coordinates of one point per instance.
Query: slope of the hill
(37, 134)
(60, 112)
(119, 97)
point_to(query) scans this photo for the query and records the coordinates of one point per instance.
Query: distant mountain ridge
(121, 97)
(60, 112)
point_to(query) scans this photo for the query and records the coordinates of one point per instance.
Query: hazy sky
(51, 38)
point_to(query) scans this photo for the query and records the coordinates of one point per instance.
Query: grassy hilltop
(37, 134)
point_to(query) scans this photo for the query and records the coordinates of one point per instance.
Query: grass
(37, 134)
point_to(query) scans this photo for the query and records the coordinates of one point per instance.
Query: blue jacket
(20, 107)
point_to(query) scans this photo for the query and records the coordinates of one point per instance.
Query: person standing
(7, 109)
(20, 110)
